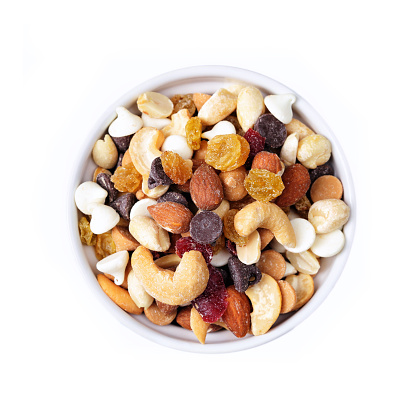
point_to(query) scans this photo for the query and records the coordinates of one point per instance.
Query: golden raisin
(104, 246)
(218, 245)
(227, 152)
(86, 235)
(127, 179)
(177, 169)
(263, 185)
(229, 229)
(193, 131)
(181, 102)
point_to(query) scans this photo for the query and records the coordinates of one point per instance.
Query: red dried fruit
(256, 142)
(231, 247)
(186, 244)
(212, 303)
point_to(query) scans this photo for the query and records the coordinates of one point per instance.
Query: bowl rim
(195, 72)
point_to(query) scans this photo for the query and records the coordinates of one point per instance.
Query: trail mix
(211, 212)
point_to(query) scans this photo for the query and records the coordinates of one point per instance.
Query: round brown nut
(288, 296)
(165, 308)
(156, 316)
(123, 239)
(202, 151)
(206, 188)
(272, 263)
(297, 182)
(326, 187)
(268, 161)
(233, 183)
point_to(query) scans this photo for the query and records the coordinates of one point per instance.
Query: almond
(268, 161)
(171, 216)
(123, 239)
(165, 308)
(206, 188)
(237, 314)
(297, 182)
(183, 318)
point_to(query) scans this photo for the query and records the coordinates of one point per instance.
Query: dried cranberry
(242, 274)
(231, 247)
(212, 303)
(272, 129)
(256, 142)
(186, 244)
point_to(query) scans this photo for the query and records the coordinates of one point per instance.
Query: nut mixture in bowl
(211, 212)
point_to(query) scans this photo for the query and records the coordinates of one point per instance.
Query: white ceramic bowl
(208, 79)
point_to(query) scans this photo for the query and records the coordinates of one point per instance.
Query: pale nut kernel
(157, 123)
(155, 192)
(221, 210)
(289, 270)
(305, 262)
(137, 292)
(221, 258)
(265, 215)
(250, 253)
(289, 149)
(219, 106)
(314, 150)
(158, 317)
(118, 295)
(140, 207)
(266, 300)
(169, 261)
(173, 288)
(296, 126)
(272, 263)
(328, 215)
(155, 105)
(233, 183)
(222, 127)
(104, 153)
(288, 296)
(177, 125)
(149, 234)
(304, 288)
(250, 106)
(144, 147)
(198, 326)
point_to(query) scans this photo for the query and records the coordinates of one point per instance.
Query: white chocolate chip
(157, 123)
(179, 145)
(115, 264)
(88, 194)
(222, 127)
(250, 253)
(276, 246)
(220, 259)
(281, 106)
(125, 124)
(140, 207)
(328, 245)
(103, 218)
(290, 149)
(305, 235)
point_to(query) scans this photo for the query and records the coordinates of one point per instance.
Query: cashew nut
(265, 215)
(266, 299)
(174, 288)
(177, 126)
(155, 192)
(144, 147)
(149, 234)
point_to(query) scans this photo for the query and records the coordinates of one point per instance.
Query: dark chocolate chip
(206, 227)
(322, 170)
(272, 129)
(157, 175)
(122, 143)
(119, 160)
(173, 197)
(123, 205)
(243, 275)
(103, 179)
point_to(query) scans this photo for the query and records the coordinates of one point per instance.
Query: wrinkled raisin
(186, 244)
(181, 102)
(322, 170)
(87, 236)
(127, 179)
(227, 152)
(174, 197)
(272, 129)
(193, 131)
(157, 175)
(256, 142)
(105, 245)
(229, 229)
(206, 227)
(243, 275)
(122, 143)
(177, 169)
(212, 303)
(123, 205)
(104, 181)
(263, 185)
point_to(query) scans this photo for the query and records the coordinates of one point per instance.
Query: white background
(61, 352)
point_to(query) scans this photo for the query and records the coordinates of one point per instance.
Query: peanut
(233, 183)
